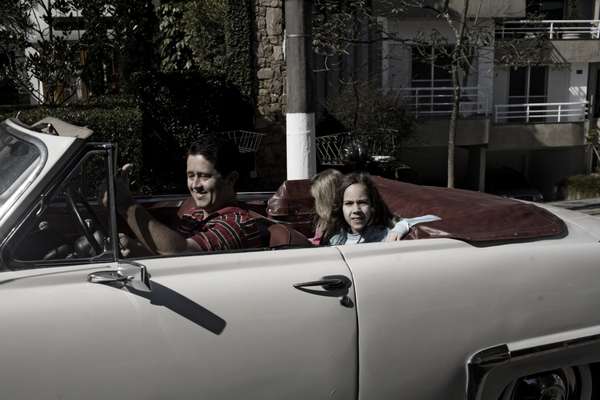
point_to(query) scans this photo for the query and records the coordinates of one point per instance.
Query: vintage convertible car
(499, 299)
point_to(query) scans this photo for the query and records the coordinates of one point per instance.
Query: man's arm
(159, 238)
(156, 236)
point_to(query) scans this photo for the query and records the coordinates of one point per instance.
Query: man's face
(208, 188)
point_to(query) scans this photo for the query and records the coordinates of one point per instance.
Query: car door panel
(248, 331)
(214, 326)
(424, 307)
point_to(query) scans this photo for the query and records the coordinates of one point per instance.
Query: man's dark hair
(219, 150)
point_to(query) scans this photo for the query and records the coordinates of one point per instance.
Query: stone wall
(270, 68)
(271, 98)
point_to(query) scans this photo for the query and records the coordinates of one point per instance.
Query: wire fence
(333, 149)
(247, 141)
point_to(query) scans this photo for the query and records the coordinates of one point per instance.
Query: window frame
(24, 180)
(56, 181)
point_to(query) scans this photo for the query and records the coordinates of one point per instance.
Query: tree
(34, 50)
(470, 36)
(51, 46)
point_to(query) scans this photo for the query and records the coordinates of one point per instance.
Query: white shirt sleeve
(401, 227)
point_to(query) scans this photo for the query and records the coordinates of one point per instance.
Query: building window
(546, 9)
(431, 67)
(528, 85)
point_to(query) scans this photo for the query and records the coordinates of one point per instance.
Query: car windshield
(17, 156)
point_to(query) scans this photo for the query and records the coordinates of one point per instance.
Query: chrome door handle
(106, 277)
(328, 283)
(132, 274)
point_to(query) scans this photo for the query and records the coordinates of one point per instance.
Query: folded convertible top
(478, 218)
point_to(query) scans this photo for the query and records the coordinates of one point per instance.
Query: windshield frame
(15, 129)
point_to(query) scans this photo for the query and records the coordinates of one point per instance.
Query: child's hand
(393, 236)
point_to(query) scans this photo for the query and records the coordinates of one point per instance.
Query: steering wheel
(70, 194)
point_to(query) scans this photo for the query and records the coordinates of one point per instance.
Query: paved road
(587, 206)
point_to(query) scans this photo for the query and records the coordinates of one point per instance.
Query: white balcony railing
(541, 112)
(553, 29)
(437, 101)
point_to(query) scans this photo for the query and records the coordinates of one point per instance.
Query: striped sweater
(225, 229)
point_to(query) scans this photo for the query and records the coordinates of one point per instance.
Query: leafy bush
(581, 187)
(121, 124)
(176, 108)
(364, 109)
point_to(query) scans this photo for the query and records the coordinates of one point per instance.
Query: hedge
(176, 108)
(581, 187)
(238, 38)
(119, 124)
(154, 129)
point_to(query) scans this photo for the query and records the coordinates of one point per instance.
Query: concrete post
(300, 116)
(597, 9)
(482, 167)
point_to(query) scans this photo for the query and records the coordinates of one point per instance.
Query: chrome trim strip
(31, 173)
(112, 202)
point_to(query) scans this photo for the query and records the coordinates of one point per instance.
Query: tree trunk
(457, 63)
(452, 126)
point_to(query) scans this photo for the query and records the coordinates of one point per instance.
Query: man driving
(217, 222)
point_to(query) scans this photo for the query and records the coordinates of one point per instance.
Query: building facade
(531, 116)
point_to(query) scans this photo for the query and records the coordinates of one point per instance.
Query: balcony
(431, 102)
(551, 29)
(540, 113)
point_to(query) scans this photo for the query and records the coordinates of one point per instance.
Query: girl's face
(356, 207)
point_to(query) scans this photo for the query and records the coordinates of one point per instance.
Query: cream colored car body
(414, 322)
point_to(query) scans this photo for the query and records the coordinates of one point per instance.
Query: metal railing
(332, 149)
(541, 112)
(438, 101)
(553, 29)
(247, 141)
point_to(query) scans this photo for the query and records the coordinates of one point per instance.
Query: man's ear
(232, 178)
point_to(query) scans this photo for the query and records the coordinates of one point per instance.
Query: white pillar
(300, 145)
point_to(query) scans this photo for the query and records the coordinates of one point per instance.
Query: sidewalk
(587, 206)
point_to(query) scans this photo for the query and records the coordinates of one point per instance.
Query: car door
(234, 325)
(78, 322)
(429, 308)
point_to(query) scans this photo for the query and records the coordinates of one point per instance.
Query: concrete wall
(578, 82)
(539, 166)
(558, 84)
(396, 64)
(492, 8)
(501, 82)
(485, 76)
(536, 136)
(543, 171)
(576, 51)
(431, 165)
(481, 8)
(470, 132)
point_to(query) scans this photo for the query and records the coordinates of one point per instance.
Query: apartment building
(532, 118)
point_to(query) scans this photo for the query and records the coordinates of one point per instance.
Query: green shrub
(121, 124)
(362, 108)
(176, 108)
(581, 186)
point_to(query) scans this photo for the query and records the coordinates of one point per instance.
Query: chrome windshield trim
(32, 172)
(490, 370)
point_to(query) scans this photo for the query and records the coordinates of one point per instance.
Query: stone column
(270, 61)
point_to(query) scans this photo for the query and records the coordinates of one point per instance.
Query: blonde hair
(324, 189)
